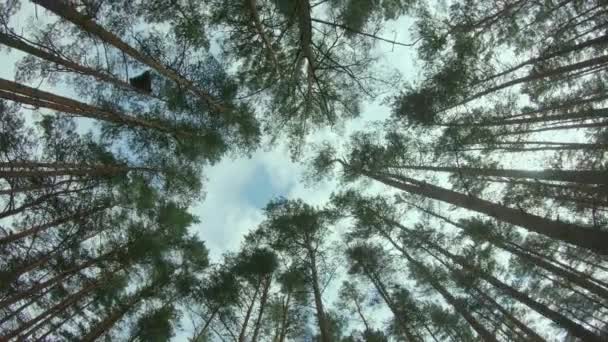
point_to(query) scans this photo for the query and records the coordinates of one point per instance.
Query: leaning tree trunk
(570, 276)
(534, 77)
(42, 227)
(14, 91)
(593, 239)
(54, 310)
(531, 334)
(321, 317)
(63, 9)
(243, 332)
(580, 177)
(20, 44)
(458, 306)
(263, 300)
(559, 319)
(381, 288)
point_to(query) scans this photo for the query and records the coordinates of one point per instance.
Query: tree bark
(22, 45)
(559, 319)
(580, 177)
(243, 332)
(531, 334)
(65, 303)
(263, 300)
(67, 12)
(323, 324)
(572, 277)
(593, 239)
(483, 333)
(21, 93)
(39, 228)
(534, 77)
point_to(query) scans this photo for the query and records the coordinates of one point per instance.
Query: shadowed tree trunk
(67, 12)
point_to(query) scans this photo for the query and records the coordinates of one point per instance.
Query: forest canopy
(453, 152)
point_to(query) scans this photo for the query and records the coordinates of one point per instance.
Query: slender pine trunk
(20, 44)
(67, 12)
(593, 239)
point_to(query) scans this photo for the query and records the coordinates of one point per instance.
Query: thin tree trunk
(350, 29)
(381, 288)
(533, 77)
(21, 93)
(39, 228)
(323, 324)
(548, 55)
(36, 202)
(580, 177)
(108, 322)
(57, 326)
(531, 334)
(243, 332)
(483, 333)
(55, 280)
(22, 45)
(207, 322)
(257, 23)
(65, 303)
(556, 128)
(36, 188)
(559, 319)
(285, 319)
(31, 301)
(593, 239)
(263, 300)
(67, 12)
(534, 260)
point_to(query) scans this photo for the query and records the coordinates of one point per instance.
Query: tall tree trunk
(39, 228)
(263, 300)
(555, 128)
(54, 310)
(321, 317)
(559, 319)
(20, 44)
(54, 328)
(21, 93)
(67, 12)
(257, 23)
(588, 114)
(55, 280)
(39, 200)
(603, 39)
(285, 322)
(31, 169)
(18, 310)
(109, 321)
(458, 306)
(534, 77)
(24, 189)
(381, 288)
(580, 177)
(531, 334)
(243, 332)
(206, 325)
(574, 278)
(593, 239)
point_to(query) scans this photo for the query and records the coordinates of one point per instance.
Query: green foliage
(156, 326)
